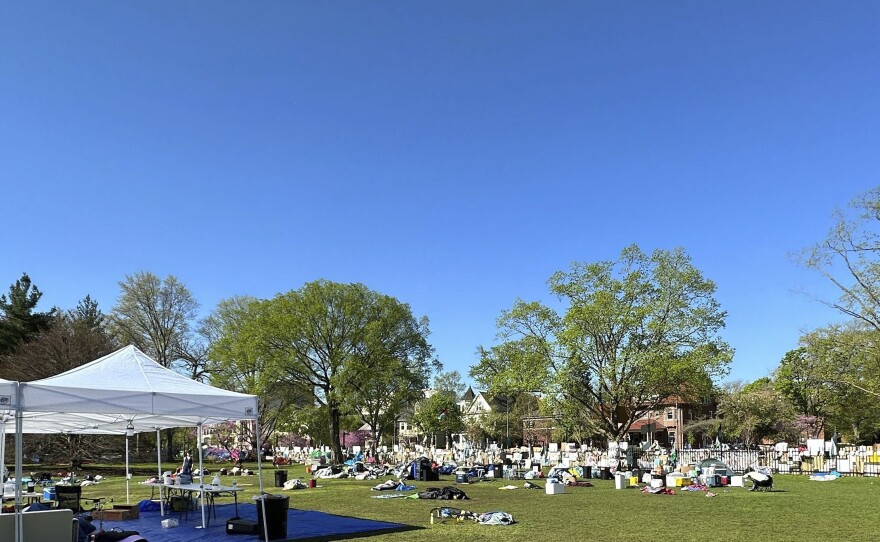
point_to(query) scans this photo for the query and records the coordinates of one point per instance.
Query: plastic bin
(280, 478)
(276, 516)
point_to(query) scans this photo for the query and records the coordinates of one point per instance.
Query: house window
(669, 414)
(690, 414)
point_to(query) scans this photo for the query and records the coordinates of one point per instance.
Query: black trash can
(588, 472)
(276, 516)
(280, 478)
(425, 470)
(606, 473)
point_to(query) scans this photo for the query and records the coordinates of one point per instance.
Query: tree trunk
(169, 445)
(334, 433)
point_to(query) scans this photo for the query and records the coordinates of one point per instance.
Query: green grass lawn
(796, 510)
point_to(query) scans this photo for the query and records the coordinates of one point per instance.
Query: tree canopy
(341, 342)
(72, 338)
(830, 379)
(19, 322)
(849, 257)
(155, 315)
(634, 332)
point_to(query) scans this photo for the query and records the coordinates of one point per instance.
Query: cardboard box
(112, 515)
(133, 510)
(554, 489)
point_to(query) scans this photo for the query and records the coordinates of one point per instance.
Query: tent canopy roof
(127, 388)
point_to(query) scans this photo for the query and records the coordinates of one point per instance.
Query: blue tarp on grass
(302, 526)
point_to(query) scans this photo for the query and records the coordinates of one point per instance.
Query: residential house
(666, 423)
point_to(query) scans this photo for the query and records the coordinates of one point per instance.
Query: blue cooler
(48, 493)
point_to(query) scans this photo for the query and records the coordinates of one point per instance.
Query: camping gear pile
(438, 515)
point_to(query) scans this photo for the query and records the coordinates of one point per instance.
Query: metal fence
(856, 461)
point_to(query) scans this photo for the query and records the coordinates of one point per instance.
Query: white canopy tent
(123, 393)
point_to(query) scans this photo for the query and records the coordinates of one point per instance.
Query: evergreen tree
(18, 321)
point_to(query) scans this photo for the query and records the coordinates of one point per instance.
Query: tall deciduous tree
(450, 382)
(849, 258)
(73, 338)
(18, 320)
(438, 413)
(635, 332)
(155, 315)
(830, 379)
(238, 364)
(334, 339)
(755, 411)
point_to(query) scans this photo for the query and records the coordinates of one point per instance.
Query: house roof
(646, 423)
(469, 395)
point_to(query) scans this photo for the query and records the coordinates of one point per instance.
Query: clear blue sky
(451, 154)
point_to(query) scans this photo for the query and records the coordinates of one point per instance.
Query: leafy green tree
(333, 339)
(802, 377)
(830, 379)
(450, 382)
(380, 393)
(438, 414)
(237, 365)
(754, 412)
(18, 321)
(635, 331)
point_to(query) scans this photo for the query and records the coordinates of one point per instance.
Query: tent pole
(260, 476)
(127, 473)
(201, 475)
(19, 520)
(2, 451)
(159, 463)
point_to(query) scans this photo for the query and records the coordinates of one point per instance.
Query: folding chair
(68, 497)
